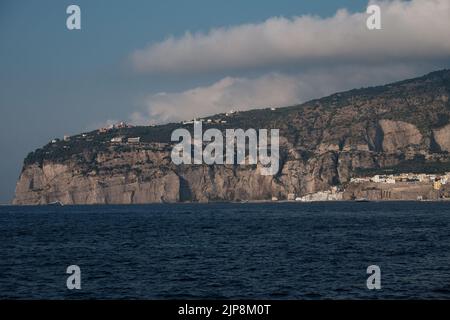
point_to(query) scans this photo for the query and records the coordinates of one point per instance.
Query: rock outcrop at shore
(323, 143)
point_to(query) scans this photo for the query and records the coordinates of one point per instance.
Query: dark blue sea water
(251, 251)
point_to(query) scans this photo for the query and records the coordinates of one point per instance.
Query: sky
(155, 61)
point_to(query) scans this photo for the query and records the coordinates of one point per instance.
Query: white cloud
(273, 89)
(224, 95)
(334, 54)
(412, 30)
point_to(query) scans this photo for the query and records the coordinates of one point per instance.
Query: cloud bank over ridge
(417, 29)
(270, 90)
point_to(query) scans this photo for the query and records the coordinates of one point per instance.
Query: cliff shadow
(185, 190)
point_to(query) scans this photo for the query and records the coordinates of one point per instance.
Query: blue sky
(54, 81)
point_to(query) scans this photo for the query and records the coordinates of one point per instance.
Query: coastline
(228, 202)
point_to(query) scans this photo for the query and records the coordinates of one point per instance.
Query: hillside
(324, 142)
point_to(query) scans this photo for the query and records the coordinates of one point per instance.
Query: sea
(227, 251)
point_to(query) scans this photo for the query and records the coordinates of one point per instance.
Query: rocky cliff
(402, 126)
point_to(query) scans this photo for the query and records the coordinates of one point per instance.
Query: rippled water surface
(267, 251)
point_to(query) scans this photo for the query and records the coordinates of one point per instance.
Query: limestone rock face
(323, 143)
(136, 183)
(51, 183)
(398, 135)
(442, 137)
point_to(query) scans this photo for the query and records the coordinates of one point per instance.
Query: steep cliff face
(399, 135)
(442, 137)
(323, 143)
(113, 179)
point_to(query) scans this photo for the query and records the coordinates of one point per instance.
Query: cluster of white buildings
(328, 195)
(119, 125)
(321, 196)
(120, 139)
(205, 120)
(230, 113)
(129, 140)
(218, 121)
(404, 177)
(334, 194)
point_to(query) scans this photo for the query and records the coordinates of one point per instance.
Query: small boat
(56, 203)
(362, 200)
